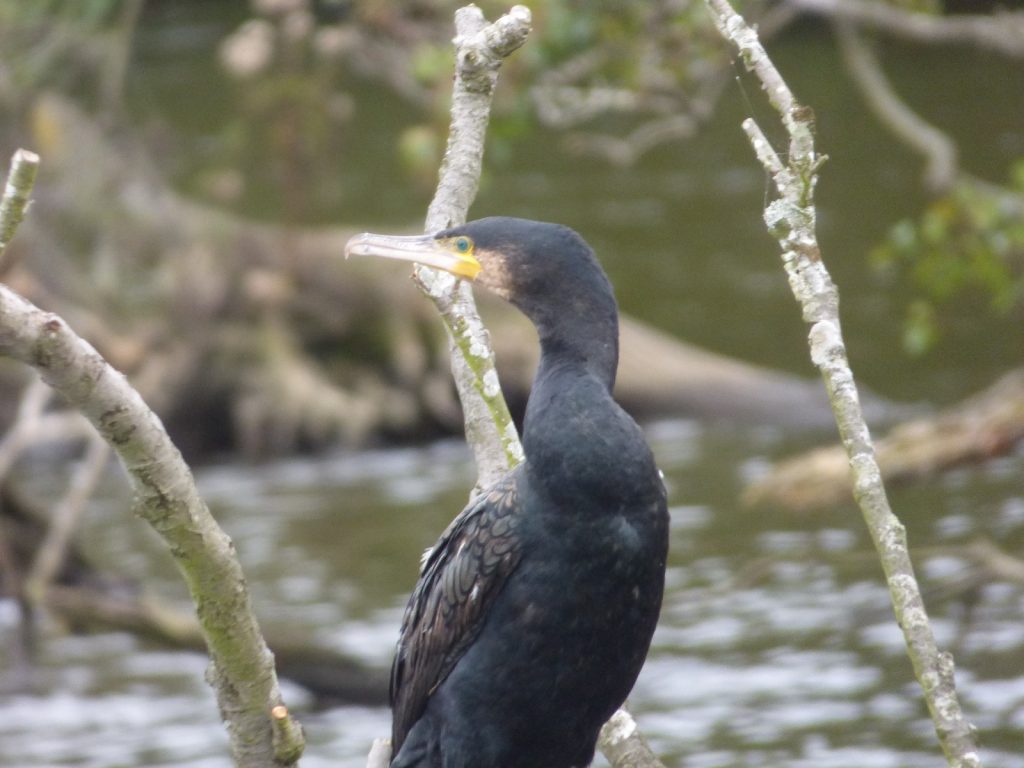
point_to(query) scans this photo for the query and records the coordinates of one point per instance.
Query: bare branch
(19, 434)
(479, 51)
(990, 423)
(938, 150)
(574, 93)
(1002, 32)
(490, 432)
(66, 513)
(242, 673)
(791, 219)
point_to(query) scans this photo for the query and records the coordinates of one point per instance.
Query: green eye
(463, 244)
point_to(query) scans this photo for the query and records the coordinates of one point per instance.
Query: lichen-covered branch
(242, 672)
(490, 432)
(622, 743)
(480, 49)
(791, 219)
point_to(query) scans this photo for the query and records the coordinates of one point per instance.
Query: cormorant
(534, 612)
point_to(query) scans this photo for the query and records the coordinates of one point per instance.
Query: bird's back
(562, 638)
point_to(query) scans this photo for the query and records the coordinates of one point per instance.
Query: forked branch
(791, 219)
(480, 49)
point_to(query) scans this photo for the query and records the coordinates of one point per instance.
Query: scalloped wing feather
(460, 579)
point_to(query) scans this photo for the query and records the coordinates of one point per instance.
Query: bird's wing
(460, 579)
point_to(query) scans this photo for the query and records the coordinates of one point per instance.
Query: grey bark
(480, 49)
(791, 220)
(242, 670)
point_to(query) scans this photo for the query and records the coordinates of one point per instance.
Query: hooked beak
(423, 249)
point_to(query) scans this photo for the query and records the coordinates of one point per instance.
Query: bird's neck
(579, 340)
(574, 432)
(571, 393)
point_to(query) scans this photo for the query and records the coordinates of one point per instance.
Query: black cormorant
(534, 612)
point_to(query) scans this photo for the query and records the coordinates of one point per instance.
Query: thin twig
(1001, 32)
(938, 150)
(52, 552)
(791, 219)
(33, 400)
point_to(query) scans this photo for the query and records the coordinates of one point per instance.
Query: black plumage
(468, 565)
(535, 610)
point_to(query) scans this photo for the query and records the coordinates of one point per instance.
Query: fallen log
(989, 424)
(253, 337)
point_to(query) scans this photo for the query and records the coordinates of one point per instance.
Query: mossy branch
(791, 219)
(480, 49)
(242, 673)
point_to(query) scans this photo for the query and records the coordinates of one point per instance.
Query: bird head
(514, 258)
(546, 270)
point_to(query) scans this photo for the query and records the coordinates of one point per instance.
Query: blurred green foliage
(284, 76)
(597, 70)
(88, 13)
(75, 45)
(614, 63)
(965, 246)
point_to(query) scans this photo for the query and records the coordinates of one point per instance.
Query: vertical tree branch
(242, 671)
(480, 49)
(791, 219)
(1000, 32)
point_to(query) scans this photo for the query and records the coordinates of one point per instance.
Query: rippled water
(776, 644)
